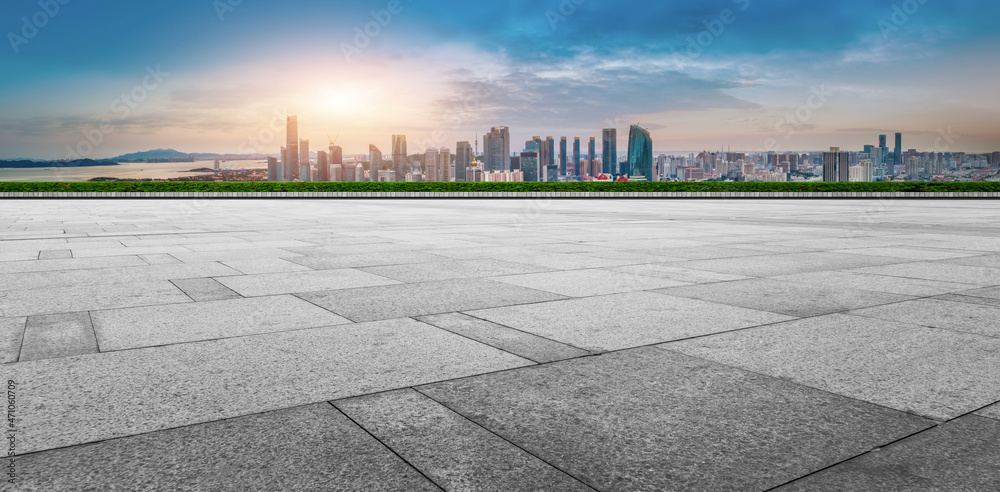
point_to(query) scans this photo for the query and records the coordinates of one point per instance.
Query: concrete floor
(502, 345)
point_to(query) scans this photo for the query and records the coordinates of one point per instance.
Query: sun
(340, 102)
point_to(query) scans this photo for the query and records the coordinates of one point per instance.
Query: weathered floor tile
(120, 329)
(53, 300)
(205, 289)
(399, 301)
(988, 292)
(11, 333)
(447, 270)
(164, 387)
(266, 284)
(957, 316)
(927, 371)
(517, 342)
(625, 320)
(941, 271)
(58, 335)
(305, 448)
(265, 265)
(649, 419)
(593, 282)
(982, 301)
(958, 455)
(876, 283)
(7, 267)
(992, 411)
(904, 253)
(777, 296)
(677, 274)
(786, 264)
(124, 251)
(160, 259)
(451, 450)
(333, 260)
(55, 254)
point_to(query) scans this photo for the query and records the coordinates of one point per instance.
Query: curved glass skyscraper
(640, 153)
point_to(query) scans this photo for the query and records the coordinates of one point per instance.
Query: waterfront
(137, 170)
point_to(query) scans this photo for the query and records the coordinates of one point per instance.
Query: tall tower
(496, 149)
(610, 157)
(899, 151)
(592, 155)
(640, 153)
(399, 159)
(291, 161)
(576, 157)
(836, 166)
(563, 158)
(305, 170)
(463, 157)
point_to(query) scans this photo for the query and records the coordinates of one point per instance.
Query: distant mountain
(25, 164)
(171, 155)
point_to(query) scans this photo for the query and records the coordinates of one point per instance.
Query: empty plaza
(539, 344)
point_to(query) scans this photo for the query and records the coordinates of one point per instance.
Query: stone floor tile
(592, 282)
(517, 342)
(120, 329)
(786, 264)
(10, 267)
(11, 335)
(329, 261)
(289, 282)
(204, 289)
(304, 448)
(160, 259)
(677, 274)
(649, 419)
(54, 300)
(399, 301)
(58, 335)
(265, 265)
(944, 272)
(877, 283)
(455, 269)
(904, 253)
(452, 451)
(936, 373)
(938, 313)
(625, 320)
(124, 251)
(992, 411)
(55, 254)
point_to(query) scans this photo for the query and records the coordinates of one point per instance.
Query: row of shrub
(231, 187)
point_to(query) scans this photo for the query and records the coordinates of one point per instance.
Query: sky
(99, 79)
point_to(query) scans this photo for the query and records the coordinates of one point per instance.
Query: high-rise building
(496, 147)
(836, 166)
(550, 159)
(863, 172)
(899, 149)
(374, 163)
(305, 171)
(273, 169)
(463, 158)
(995, 159)
(576, 158)
(446, 172)
(399, 156)
(529, 165)
(640, 153)
(912, 168)
(322, 166)
(336, 155)
(610, 157)
(431, 165)
(563, 157)
(882, 141)
(592, 155)
(291, 160)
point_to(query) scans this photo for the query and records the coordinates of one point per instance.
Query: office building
(291, 159)
(530, 161)
(592, 156)
(836, 166)
(640, 153)
(336, 155)
(610, 156)
(563, 158)
(431, 165)
(496, 149)
(463, 159)
(273, 169)
(550, 159)
(374, 163)
(446, 172)
(899, 149)
(399, 156)
(576, 171)
(322, 166)
(863, 172)
(912, 168)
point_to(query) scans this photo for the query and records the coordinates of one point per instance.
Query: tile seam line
(508, 441)
(463, 313)
(474, 340)
(386, 446)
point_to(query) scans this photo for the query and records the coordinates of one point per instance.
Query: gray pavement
(502, 345)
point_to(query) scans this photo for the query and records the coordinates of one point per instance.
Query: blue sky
(740, 73)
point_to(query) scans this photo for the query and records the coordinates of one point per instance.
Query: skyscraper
(496, 147)
(899, 150)
(446, 171)
(305, 171)
(336, 155)
(291, 161)
(836, 166)
(563, 158)
(591, 155)
(399, 159)
(610, 158)
(374, 163)
(529, 165)
(463, 157)
(431, 165)
(322, 166)
(273, 169)
(576, 157)
(640, 153)
(550, 158)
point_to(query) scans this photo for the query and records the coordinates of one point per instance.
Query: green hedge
(160, 186)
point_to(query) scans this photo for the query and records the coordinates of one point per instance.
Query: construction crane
(334, 141)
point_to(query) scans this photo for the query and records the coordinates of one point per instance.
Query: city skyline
(750, 74)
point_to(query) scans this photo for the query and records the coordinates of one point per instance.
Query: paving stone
(908, 253)
(987, 261)
(452, 451)
(330, 261)
(958, 455)
(398, 301)
(9, 267)
(776, 296)
(877, 283)
(305, 448)
(265, 265)
(937, 373)
(649, 419)
(55, 254)
(18, 256)
(593, 282)
(58, 335)
(937, 313)
(944, 272)
(517, 342)
(989, 293)
(205, 289)
(160, 259)
(11, 333)
(158, 388)
(446, 270)
(983, 301)
(625, 320)
(677, 274)
(120, 329)
(81, 278)
(124, 251)
(53, 300)
(564, 261)
(992, 411)
(786, 264)
(286, 283)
